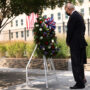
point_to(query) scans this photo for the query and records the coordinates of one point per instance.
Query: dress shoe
(77, 87)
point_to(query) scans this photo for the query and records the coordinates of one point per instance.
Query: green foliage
(19, 49)
(10, 50)
(16, 7)
(29, 49)
(2, 50)
(29, 6)
(16, 49)
(88, 48)
(64, 51)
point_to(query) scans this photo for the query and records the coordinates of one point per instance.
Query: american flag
(30, 20)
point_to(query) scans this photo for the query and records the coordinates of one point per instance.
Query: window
(11, 23)
(59, 29)
(21, 22)
(89, 10)
(82, 11)
(66, 28)
(16, 22)
(22, 34)
(32, 33)
(16, 34)
(27, 33)
(11, 35)
(81, 1)
(45, 8)
(52, 15)
(66, 16)
(45, 16)
(59, 16)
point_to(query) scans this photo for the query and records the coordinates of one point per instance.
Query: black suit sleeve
(70, 28)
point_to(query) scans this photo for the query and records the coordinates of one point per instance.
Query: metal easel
(28, 82)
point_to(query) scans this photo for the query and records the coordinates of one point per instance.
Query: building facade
(16, 30)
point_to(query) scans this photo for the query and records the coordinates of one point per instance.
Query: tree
(12, 8)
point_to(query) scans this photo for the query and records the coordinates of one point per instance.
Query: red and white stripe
(30, 20)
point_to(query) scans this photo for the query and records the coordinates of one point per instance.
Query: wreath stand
(28, 82)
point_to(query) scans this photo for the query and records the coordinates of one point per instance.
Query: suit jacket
(76, 31)
(75, 34)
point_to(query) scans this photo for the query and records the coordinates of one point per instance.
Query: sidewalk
(65, 80)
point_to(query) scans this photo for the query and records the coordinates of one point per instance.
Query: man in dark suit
(76, 41)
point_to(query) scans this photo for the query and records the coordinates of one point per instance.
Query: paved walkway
(65, 80)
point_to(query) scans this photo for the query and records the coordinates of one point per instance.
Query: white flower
(49, 47)
(52, 41)
(40, 18)
(45, 20)
(43, 48)
(41, 37)
(37, 25)
(40, 29)
(51, 53)
(56, 47)
(49, 27)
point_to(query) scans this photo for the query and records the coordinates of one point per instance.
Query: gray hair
(70, 6)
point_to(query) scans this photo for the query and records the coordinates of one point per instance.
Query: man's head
(69, 8)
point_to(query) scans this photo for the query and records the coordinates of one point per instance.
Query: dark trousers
(77, 61)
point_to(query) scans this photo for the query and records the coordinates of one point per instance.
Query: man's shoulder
(76, 14)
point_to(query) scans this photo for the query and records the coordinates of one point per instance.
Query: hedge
(20, 49)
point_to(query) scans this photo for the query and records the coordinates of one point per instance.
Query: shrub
(10, 49)
(16, 49)
(64, 49)
(2, 50)
(88, 48)
(19, 49)
(29, 49)
(63, 52)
